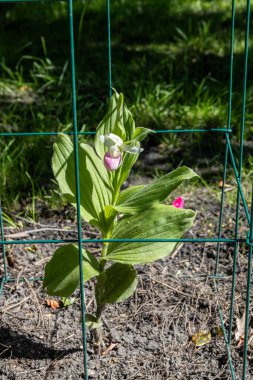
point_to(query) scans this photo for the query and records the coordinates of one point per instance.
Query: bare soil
(149, 336)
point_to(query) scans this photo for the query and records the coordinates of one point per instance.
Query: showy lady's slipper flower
(178, 202)
(112, 163)
(116, 146)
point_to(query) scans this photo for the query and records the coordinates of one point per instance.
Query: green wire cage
(229, 158)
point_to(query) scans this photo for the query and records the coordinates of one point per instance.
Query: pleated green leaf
(111, 123)
(121, 175)
(141, 133)
(155, 192)
(159, 222)
(96, 191)
(118, 120)
(127, 193)
(62, 271)
(119, 282)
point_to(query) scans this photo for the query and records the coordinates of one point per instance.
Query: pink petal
(112, 163)
(178, 202)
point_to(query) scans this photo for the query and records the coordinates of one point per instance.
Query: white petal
(114, 151)
(113, 139)
(102, 138)
(131, 149)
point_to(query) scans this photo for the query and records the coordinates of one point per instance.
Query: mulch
(148, 336)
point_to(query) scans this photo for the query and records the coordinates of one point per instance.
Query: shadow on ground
(15, 345)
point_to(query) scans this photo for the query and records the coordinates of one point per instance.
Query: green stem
(105, 247)
(99, 311)
(98, 330)
(99, 286)
(103, 254)
(99, 290)
(116, 195)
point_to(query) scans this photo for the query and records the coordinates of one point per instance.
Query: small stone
(92, 373)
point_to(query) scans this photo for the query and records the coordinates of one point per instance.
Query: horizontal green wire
(211, 276)
(30, 1)
(22, 279)
(201, 275)
(91, 241)
(213, 130)
(15, 134)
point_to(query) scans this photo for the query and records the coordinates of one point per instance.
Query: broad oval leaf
(62, 271)
(119, 282)
(127, 193)
(155, 192)
(159, 222)
(96, 191)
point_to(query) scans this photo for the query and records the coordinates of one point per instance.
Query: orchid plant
(135, 213)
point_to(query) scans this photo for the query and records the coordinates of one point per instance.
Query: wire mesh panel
(229, 156)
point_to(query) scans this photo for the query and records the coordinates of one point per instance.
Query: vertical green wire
(245, 73)
(232, 36)
(247, 309)
(244, 91)
(245, 351)
(230, 360)
(3, 249)
(108, 9)
(77, 183)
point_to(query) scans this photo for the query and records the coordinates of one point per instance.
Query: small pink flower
(111, 162)
(113, 157)
(178, 202)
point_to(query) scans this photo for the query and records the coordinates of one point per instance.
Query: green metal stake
(229, 151)
(2, 282)
(244, 203)
(232, 370)
(232, 37)
(77, 183)
(247, 310)
(4, 279)
(3, 246)
(244, 91)
(108, 9)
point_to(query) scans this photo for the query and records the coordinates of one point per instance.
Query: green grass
(170, 59)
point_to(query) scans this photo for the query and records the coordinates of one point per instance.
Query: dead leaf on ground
(47, 315)
(53, 304)
(110, 348)
(32, 248)
(219, 331)
(240, 330)
(221, 185)
(10, 260)
(201, 338)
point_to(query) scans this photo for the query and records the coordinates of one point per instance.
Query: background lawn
(170, 59)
